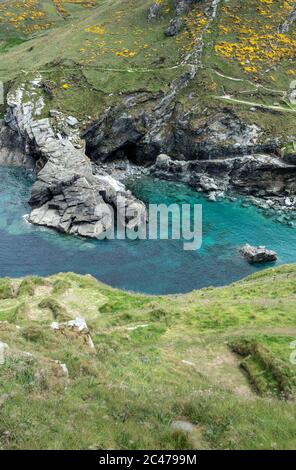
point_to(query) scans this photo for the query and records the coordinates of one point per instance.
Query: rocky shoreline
(79, 176)
(261, 180)
(278, 204)
(72, 193)
(67, 194)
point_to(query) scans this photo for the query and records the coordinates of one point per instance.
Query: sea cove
(149, 266)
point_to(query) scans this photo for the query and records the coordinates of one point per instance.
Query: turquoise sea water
(156, 267)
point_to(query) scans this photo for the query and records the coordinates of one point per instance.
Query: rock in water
(258, 254)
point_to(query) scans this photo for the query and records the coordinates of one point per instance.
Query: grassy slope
(112, 48)
(174, 348)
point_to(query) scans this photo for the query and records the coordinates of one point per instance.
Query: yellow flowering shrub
(260, 46)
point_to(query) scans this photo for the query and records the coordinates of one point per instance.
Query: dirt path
(255, 105)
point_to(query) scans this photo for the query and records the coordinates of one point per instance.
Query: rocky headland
(81, 168)
(69, 194)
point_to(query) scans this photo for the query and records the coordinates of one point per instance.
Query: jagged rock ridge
(67, 194)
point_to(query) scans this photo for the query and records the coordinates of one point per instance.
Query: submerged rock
(258, 254)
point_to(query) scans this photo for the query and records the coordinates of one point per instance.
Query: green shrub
(27, 286)
(33, 333)
(59, 313)
(60, 286)
(6, 289)
(265, 370)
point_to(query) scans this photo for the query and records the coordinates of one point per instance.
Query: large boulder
(258, 254)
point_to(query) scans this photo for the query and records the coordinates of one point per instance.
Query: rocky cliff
(68, 194)
(208, 84)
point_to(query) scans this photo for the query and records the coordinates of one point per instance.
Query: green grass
(158, 359)
(6, 289)
(89, 60)
(59, 313)
(266, 370)
(27, 286)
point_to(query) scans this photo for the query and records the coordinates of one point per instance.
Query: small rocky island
(258, 254)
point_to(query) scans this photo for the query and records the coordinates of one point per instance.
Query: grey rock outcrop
(11, 149)
(67, 194)
(258, 254)
(245, 174)
(153, 11)
(183, 5)
(285, 27)
(78, 326)
(174, 27)
(142, 128)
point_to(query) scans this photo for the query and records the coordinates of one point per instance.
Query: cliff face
(209, 84)
(68, 194)
(12, 151)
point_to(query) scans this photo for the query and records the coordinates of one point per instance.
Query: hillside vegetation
(91, 52)
(217, 360)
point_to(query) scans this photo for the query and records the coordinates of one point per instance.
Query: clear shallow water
(156, 267)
